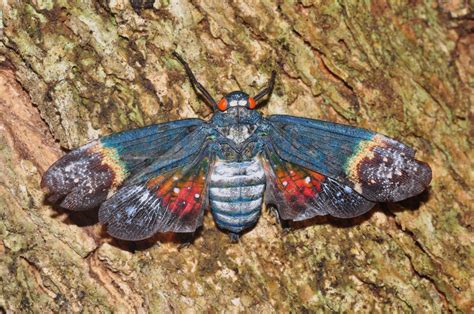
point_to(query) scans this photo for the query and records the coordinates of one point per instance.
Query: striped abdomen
(236, 191)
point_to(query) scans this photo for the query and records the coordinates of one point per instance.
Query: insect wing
(300, 193)
(172, 201)
(85, 176)
(168, 195)
(377, 167)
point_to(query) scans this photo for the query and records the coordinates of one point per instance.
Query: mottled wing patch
(84, 176)
(301, 193)
(379, 168)
(173, 201)
(384, 170)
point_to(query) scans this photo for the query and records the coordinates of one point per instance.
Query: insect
(162, 177)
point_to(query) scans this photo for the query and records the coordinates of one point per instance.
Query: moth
(163, 177)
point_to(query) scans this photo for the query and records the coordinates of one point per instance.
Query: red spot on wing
(297, 184)
(181, 193)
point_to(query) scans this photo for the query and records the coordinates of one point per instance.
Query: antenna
(196, 85)
(267, 90)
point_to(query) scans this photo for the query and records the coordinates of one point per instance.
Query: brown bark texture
(71, 71)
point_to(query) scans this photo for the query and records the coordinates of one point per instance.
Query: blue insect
(162, 177)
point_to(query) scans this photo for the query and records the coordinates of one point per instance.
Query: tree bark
(75, 70)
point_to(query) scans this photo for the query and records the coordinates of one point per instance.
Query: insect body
(164, 176)
(236, 193)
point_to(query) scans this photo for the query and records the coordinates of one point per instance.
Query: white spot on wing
(144, 196)
(130, 210)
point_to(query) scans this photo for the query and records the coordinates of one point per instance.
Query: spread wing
(85, 176)
(171, 201)
(301, 193)
(168, 195)
(378, 168)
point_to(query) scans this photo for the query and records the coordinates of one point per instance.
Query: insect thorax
(237, 125)
(238, 133)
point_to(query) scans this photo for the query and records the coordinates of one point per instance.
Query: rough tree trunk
(74, 70)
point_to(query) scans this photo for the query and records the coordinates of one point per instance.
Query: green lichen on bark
(75, 70)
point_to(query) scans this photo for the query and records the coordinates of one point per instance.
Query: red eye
(252, 103)
(222, 105)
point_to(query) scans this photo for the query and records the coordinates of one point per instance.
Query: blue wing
(85, 176)
(375, 166)
(168, 195)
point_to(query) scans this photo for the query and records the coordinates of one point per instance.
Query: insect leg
(188, 239)
(195, 82)
(285, 224)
